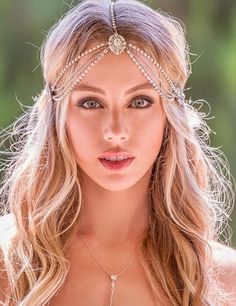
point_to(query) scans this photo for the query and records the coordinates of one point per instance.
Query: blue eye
(91, 104)
(140, 102)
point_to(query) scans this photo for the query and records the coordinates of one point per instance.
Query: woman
(114, 195)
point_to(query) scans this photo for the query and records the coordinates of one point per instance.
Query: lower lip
(116, 165)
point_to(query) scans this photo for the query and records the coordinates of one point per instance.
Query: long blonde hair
(190, 190)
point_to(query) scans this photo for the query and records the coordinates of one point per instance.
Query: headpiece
(148, 66)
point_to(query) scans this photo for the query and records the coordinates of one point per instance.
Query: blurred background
(211, 34)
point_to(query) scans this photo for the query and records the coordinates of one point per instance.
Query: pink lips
(118, 164)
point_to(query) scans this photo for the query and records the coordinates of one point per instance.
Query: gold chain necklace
(113, 277)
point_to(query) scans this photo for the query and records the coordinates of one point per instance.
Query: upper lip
(115, 153)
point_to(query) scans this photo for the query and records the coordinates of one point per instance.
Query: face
(106, 112)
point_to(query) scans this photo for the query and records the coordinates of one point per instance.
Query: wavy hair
(190, 190)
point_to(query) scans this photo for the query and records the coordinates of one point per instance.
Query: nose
(116, 130)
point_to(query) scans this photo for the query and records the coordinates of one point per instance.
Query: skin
(115, 209)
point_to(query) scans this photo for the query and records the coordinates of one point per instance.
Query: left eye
(140, 102)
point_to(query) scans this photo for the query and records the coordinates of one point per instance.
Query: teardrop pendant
(113, 280)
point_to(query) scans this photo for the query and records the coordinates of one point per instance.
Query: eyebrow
(85, 87)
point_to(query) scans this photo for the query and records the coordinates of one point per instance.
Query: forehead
(114, 71)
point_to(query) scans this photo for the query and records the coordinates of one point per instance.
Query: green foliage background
(211, 33)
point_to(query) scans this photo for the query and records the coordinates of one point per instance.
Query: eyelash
(83, 101)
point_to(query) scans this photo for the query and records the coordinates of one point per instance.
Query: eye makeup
(143, 101)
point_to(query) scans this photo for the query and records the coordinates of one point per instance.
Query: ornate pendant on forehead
(116, 43)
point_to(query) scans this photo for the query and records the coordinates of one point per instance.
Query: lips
(116, 165)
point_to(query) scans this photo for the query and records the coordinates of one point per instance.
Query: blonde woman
(112, 195)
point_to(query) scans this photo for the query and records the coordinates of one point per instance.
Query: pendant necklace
(113, 277)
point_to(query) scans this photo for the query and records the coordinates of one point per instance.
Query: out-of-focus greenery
(210, 31)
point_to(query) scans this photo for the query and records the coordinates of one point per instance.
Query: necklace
(113, 277)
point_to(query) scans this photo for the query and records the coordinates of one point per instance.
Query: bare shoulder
(7, 230)
(224, 258)
(223, 253)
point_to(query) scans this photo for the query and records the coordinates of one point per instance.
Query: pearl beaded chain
(116, 44)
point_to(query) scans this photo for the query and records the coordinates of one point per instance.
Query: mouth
(116, 165)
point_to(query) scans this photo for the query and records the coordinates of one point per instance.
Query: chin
(116, 186)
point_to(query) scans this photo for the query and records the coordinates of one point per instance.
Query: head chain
(117, 44)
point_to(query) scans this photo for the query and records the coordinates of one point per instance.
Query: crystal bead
(114, 277)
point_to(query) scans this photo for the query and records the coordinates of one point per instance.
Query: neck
(114, 218)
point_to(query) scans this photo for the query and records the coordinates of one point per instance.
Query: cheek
(150, 132)
(81, 134)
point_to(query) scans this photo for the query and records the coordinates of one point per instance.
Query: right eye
(91, 104)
